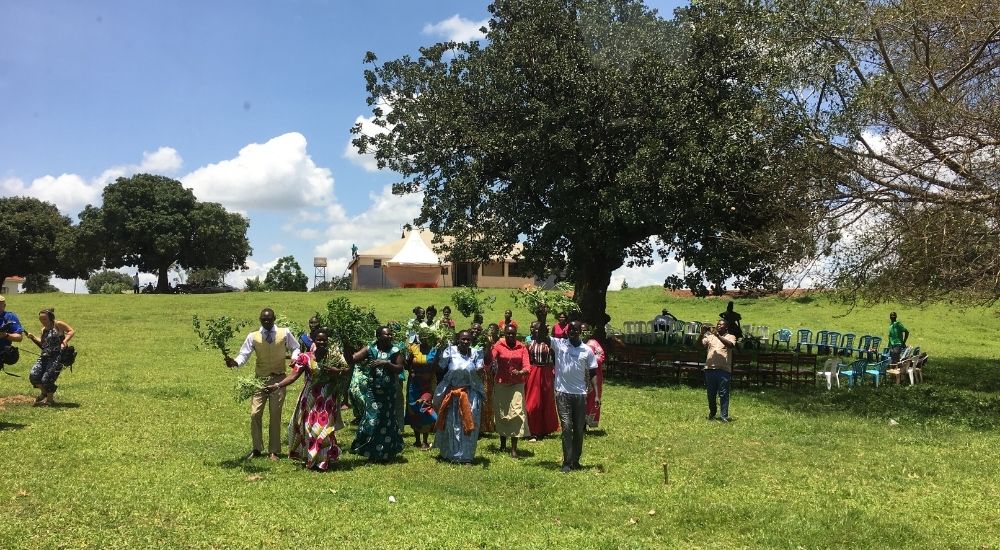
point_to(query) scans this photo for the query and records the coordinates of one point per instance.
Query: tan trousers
(275, 400)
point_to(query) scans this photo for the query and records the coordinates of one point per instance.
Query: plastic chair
(877, 370)
(822, 342)
(873, 346)
(847, 344)
(803, 339)
(763, 333)
(864, 344)
(856, 372)
(831, 370)
(834, 342)
(897, 370)
(916, 371)
(782, 336)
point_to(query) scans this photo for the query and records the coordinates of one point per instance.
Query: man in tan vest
(272, 345)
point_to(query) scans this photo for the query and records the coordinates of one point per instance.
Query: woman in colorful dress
(56, 335)
(562, 325)
(458, 399)
(539, 388)
(594, 395)
(377, 380)
(512, 367)
(484, 345)
(420, 413)
(312, 429)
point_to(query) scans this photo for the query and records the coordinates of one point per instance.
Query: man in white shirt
(271, 345)
(718, 366)
(575, 367)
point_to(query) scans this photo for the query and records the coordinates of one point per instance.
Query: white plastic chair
(831, 370)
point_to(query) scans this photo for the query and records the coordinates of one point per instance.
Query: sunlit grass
(145, 450)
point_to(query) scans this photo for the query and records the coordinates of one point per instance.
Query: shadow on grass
(556, 466)
(600, 432)
(64, 405)
(248, 465)
(11, 426)
(930, 402)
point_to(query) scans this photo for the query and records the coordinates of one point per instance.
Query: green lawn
(145, 450)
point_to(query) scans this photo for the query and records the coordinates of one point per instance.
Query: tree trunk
(162, 280)
(591, 293)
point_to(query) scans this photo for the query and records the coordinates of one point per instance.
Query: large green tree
(599, 135)
(153, 222)
(906, 95)
(31, 232)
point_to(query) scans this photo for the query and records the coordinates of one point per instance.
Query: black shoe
(566, 469)
(252, 454)
(724, 420)
(576, 466)
(711, 416)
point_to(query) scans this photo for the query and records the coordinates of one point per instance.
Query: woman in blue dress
(376, 383)
(458, 399)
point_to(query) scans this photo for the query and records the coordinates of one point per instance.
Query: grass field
(144, 450)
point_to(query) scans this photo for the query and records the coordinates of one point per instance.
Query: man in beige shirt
(718, 366)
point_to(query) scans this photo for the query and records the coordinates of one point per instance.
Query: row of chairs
(640, 364)
(828, 342)
(861, 369)
(679, 332)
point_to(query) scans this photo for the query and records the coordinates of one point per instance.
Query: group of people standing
(52, 341)
(460, 388)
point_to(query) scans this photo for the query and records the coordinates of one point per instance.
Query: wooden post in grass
(666, 473)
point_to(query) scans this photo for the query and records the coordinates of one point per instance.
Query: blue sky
(249, 103)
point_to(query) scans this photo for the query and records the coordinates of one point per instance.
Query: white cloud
(277, 248)
(381, 223)
(457, 29)
(71, 192)
(369, 128)
(275, 175)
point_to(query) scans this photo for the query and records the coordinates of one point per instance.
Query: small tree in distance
(286, 275)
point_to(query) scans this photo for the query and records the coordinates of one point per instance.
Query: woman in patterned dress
(539, 388)
(312, 429)
(420, 414)
(377, 387)
(55, 336)
(485, 345)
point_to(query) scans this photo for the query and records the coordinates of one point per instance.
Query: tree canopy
(906, 95)
(286, 275)
(599, 135)
(32, 234)
(153, 222)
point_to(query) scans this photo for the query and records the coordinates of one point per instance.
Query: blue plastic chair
(855, 372)
(782, 336)
(822, 342)
(877, 370)
(847, 344)
(803, 339)
(864, 344)
(833, 339)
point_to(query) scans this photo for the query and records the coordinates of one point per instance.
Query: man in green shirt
(897, 338)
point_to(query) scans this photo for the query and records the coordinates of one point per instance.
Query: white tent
(415, 264)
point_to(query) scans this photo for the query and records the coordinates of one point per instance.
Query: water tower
(319, 264)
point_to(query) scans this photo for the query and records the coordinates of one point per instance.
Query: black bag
(9, 355)
(67, 356)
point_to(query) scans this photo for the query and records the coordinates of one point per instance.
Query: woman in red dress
(539, 388)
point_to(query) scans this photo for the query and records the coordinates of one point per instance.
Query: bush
(96, 282)
(205, 277)
(336, 283)
(114, 288)
(254, 285)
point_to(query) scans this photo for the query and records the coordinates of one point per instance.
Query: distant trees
(32, 233)
(153, 222)
(286, 275)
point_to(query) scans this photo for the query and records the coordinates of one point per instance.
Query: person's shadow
(11, 426)
(64, 405)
